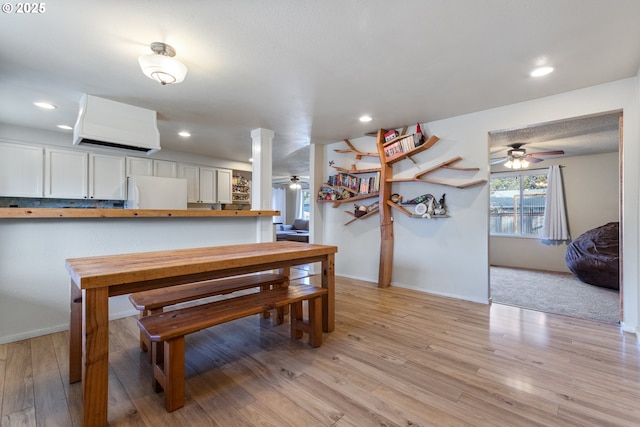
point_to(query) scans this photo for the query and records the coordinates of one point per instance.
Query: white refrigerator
(154, 192)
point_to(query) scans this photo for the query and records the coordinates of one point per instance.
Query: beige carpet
(559, 293)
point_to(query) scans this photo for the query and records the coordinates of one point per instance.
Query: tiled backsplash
(26, 202)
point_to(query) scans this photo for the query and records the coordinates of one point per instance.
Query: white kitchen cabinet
(224, 179)
(66, 174)
(191, 174)
(206, 184)
(107, 177)
(79, 175)
(139, 166)
(165, 168)
(21, 170)
(208, 192)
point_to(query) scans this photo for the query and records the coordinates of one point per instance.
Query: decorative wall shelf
(337, 203)
(355, 218)
(354, 169)
(410, 214)
(359, 154)
(390, 152)
(408, 154)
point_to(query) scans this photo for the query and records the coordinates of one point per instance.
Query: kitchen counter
(128, 213)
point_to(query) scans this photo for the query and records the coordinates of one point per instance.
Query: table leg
(328, 300)
(75, 335)
(96, 356)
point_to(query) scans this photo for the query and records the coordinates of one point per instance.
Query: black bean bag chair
(593, 256)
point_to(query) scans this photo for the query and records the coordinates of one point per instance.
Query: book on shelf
(404, 145)
(356, 184)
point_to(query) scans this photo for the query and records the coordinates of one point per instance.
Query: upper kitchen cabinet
(165, 168)
(107, 179)
(139, 166)
(21, 170)
(224, 178)
(79, 175)
(206, 184)
(151, 167)
(65, 174)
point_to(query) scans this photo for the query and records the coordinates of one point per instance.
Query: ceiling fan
(517, 157)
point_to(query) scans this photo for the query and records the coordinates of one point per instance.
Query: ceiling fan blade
(529, 158)
(547, 153)
(498, 160)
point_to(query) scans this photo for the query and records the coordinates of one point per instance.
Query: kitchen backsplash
(27, 202)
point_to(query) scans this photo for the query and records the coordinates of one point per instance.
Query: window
(306, 196)
(516, 204)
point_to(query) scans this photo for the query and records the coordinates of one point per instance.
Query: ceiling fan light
(295, 185)
(524, 163)
(161, 66)
(508, 164)
(517, 164)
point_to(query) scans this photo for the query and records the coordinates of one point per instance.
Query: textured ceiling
(307, 69)
(579, 136)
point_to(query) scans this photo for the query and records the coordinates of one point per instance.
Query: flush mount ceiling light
(365, 118)
(161, 65)
(45, 105)
(541, 71)
(295, 184)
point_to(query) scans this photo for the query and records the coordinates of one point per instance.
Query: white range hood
(114, 124)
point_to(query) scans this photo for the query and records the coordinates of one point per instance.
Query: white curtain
(299, 207)
(279, 202)
(555, 226)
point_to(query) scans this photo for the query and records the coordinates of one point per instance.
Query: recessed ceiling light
(65, 127)
(184, 134)
(542, 71)
(45, 105)
(365, 119)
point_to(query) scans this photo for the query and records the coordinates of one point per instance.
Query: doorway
(587, 149)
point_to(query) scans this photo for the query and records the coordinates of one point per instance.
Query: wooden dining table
(95, 279)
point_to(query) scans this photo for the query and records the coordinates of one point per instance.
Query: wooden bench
(154, 301)
(166, 331)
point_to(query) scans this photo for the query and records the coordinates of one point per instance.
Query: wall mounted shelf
(337, 203)
(410, 214)
(359, 154)
(355, 218)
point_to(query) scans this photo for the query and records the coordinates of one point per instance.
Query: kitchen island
(35, 242)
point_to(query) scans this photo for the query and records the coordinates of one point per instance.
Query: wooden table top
(186, 265)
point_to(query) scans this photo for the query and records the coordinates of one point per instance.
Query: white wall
(591, 185)
(450, 256)
(34, 284)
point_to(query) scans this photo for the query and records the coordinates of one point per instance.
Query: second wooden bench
(166, 331)
(154, 301)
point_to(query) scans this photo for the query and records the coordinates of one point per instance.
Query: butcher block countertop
(127, 213)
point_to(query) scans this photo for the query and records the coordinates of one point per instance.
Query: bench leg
(145, 344)
(313, 326)
(168, 371)
(174, 372)
(315, 322)
(282, 311)
(296, 320)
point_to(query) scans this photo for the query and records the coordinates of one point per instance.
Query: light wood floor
(397, 358)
